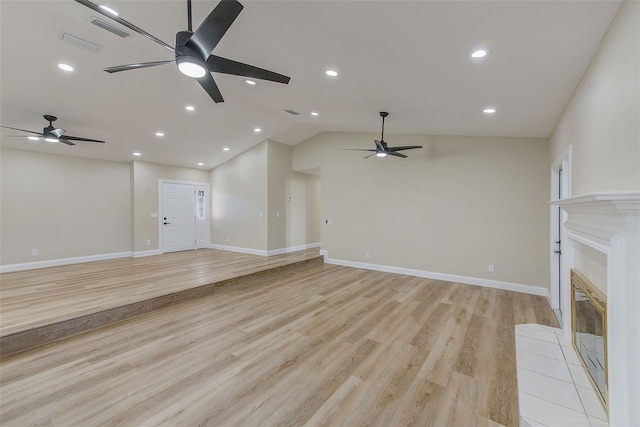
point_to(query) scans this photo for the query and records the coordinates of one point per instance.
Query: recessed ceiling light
(108, 10)
(200, 164)
(478, 53)
(225, 149)
(159, 134)
(190, 108)
(314, 113)
(34, 138)
(250, 82)
(65, 67)
(257, 130)
(331, 73)
(135, 153)
(489, 110)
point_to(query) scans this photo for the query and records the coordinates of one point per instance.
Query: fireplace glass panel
(589, 338)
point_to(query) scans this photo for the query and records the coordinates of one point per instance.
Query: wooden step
(20, 341)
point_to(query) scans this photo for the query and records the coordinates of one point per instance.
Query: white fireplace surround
(609, 222)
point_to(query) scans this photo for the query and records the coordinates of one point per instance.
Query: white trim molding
(140, 254)
(62, 261)
(249, 251)
(487, 283)
(292, 249)
(609, 222)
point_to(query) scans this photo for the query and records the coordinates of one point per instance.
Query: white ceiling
(408, 58)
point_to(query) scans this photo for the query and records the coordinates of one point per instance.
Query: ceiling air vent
(78, 42)
(292, 112)
(106, 26)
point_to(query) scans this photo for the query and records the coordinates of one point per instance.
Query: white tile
(539, 334)
(562, 338)
(543, 365)
(530, 422)
(536, 346)
(592, 403)
(570, 355)
(551, 389)
(580, 376)
(595, 422)
(549, 413)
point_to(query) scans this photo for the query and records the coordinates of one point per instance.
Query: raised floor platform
(41, 306)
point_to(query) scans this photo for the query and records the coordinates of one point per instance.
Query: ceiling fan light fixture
(191, 66)
(381, 154)
(51, 139)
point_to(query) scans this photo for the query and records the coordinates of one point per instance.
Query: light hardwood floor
(324, 345)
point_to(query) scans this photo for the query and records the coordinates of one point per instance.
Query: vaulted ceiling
(408, 58)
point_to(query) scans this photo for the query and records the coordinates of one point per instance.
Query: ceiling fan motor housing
(185, 53)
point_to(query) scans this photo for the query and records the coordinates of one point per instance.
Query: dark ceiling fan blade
(23, 130)
(366, 157)
(65, 141)
(218, 64)
(358, 149)
(127, 24)
(378, 144)
(210, 32)
(127, 67)
(404, 147)
(78, 138)
(391, 153)
(211, 87)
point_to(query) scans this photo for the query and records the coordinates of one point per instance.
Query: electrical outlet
(491, 268)
(148, 242)
(366, 254)
(228, 239)
(34, 252)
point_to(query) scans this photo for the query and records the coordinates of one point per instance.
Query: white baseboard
(264, 253)
(239, 249)
(488, 283)
(62, 261)
(292, 249)
(140, 254)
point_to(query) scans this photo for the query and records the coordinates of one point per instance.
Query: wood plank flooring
(323, 345)
(35, 298)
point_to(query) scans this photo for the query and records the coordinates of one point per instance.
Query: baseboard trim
(264, 253)
(140, 254)
(487, 283)
(292, 249)
(62, 261)
(239, 249)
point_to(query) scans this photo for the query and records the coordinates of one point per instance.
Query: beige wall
(260, 181)
(239, 198)
(63, 206)
(454, 207)
(602, 119)
(145, 178)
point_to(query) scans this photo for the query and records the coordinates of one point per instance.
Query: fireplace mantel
(610, 223)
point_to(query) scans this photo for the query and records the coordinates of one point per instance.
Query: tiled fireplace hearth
(606, 226)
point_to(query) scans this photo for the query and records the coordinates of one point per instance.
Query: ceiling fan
(52, 134)
(382, 149)
(193, 49)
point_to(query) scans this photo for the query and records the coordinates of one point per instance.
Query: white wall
(454, 207)
(65, 207)
(602, 119)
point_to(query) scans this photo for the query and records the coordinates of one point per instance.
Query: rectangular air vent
(78, 42)
(106, 26)
(292, 112)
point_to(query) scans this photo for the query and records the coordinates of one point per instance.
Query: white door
(178, 217)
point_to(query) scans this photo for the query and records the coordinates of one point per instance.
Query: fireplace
(589, 330)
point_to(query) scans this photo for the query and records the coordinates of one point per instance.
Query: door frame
(207, 185)
(556, 220)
